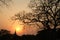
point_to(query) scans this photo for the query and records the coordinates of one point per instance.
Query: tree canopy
(45, 12)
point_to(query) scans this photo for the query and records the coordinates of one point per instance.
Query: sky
(7, 12)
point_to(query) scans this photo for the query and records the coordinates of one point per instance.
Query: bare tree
(46, 12)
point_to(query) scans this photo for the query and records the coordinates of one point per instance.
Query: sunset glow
(7, 14)
(18, 28)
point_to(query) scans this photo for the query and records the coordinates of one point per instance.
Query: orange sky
(7, 13)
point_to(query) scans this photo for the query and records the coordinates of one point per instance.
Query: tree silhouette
(46, 12)
(4, 32)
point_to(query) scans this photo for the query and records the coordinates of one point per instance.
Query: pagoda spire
(15, 33)
(15, 36)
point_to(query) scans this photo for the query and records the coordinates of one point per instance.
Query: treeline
(41, 35)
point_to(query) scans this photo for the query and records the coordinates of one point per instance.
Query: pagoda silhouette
(15, 36)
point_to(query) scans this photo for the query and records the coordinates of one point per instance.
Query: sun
(18, 28)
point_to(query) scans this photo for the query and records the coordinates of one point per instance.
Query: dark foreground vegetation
(42, 35)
